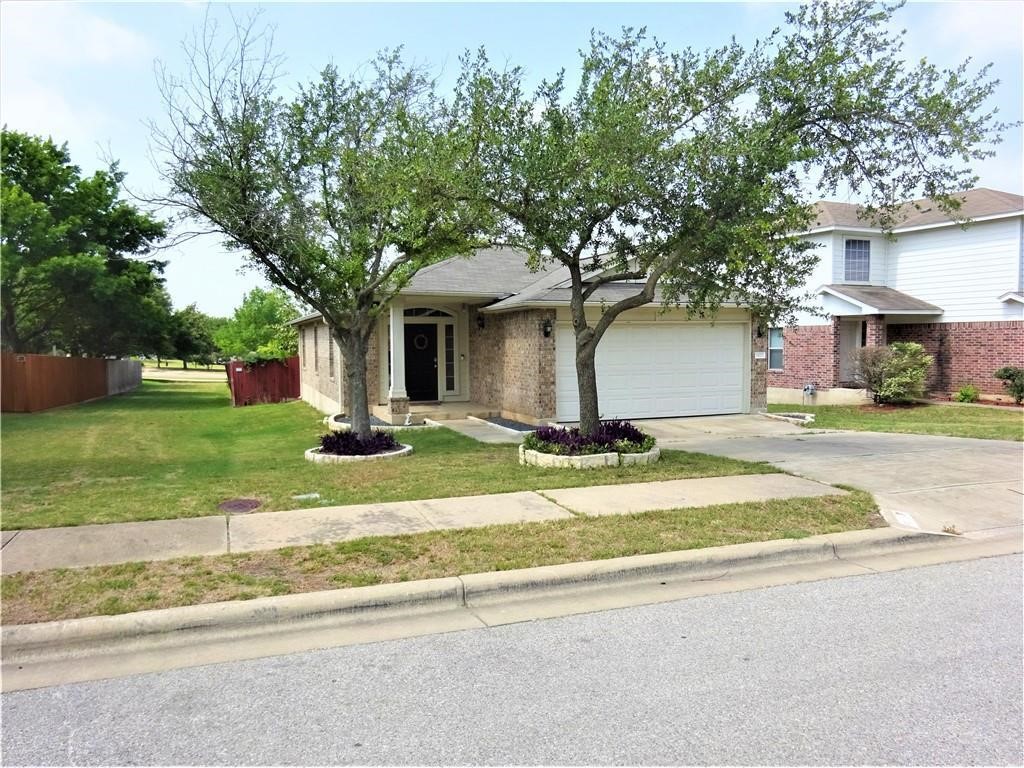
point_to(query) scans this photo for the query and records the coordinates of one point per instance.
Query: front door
(851, 338)
(421, 361)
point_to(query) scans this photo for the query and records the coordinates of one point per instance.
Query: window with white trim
(775, 349)
(857, 261)
(330, 354)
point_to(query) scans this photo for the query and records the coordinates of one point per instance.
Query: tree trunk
(353, 351)
(586, 382)
(184, 364)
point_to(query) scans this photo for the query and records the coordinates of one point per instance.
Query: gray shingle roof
(883, 299)
(488, 272)
(975, 204)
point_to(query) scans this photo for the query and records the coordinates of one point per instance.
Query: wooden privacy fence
(269, 382)
(30, 383)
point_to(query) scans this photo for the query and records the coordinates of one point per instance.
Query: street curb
(190, 624)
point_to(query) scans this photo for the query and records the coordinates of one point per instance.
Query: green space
(991, 423)
(173, 449)
(71, 593)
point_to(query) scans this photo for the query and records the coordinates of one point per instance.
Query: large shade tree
(74, 272)
(338, 195)
(687, 172)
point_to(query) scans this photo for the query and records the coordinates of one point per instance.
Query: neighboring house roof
(880, 300)
(489, 272)
(979, 203)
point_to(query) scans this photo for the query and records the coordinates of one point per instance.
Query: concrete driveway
(919, 481)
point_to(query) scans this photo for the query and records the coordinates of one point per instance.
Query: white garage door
(647, 370)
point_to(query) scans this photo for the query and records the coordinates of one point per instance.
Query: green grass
(72, 593)
(952, 420)
(179, 449)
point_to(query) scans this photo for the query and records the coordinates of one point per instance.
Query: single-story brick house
(958, 290)
(485, 335)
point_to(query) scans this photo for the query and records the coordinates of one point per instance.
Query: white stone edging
(790, 418)
(338, 426)
(314, 455)
(533, 458)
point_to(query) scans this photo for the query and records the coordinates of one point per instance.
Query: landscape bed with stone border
(317, 456)
(588, 460)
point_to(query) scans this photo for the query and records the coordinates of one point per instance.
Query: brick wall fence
(966, 353)
(512, 363)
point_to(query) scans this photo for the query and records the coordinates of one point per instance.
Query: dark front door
(421, 361)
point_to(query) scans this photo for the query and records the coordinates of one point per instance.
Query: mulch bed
(1001, 403)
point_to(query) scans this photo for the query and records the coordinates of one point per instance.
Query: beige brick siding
(512, 364)
(758, 368)
(322, 374)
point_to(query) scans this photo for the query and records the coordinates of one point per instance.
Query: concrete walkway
(165, 539)
(479, 430)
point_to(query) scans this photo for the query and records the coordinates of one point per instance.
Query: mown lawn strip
(179, 449)
(73, 593)
(950, 420)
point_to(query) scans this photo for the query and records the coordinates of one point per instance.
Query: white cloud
(979, 28)
(46, 33)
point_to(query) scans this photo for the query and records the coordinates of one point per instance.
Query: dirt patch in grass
(73, 593)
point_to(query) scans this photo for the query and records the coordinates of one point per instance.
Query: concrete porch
(443, 411)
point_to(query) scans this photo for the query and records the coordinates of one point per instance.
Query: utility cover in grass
(239, 506)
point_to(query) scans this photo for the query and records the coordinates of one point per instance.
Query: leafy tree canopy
(72, 275)
(682, 176)
(259, 328)
(338, 194)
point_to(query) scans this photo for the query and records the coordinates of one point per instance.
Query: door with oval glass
(421, 361)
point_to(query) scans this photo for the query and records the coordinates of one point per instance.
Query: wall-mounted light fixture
(480, 322)
(760, 330)
(545, 327)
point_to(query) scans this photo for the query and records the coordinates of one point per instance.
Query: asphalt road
(919, 666)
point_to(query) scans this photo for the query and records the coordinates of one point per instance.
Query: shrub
(347, 443)
(968, 393)
(1013, 380)
(611, 437)
(869, 364)
(896, 375)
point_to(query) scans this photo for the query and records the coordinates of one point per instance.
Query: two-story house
(957, 289)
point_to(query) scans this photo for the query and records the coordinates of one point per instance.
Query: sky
(83, 73)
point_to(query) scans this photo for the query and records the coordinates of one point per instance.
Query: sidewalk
(87, 545)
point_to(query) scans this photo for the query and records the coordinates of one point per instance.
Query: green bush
(968, 393)
(895, 375)
(1013, 380)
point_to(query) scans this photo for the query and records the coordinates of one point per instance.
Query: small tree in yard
(894, 374)
(338, 196)
(681, 170)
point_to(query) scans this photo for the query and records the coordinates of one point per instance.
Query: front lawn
(952, 420)
(73, 593)
(179, 449)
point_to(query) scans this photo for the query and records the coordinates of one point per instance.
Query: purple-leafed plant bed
(349, 444)
(611, 437)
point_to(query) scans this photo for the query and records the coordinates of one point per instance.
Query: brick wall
(512, 364)
(758, 369)
(875, 333)
(322, 374)
(966, 353)
(810, 355)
